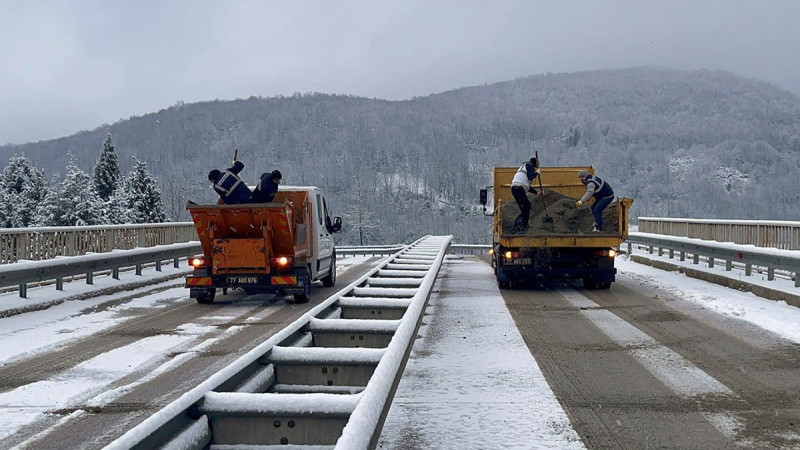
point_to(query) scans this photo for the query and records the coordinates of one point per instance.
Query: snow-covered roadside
(41, 297)
(774, 316)
(458, 390)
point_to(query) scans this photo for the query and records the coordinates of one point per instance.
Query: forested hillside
(697, 144)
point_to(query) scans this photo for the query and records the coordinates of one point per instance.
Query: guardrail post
(671, 253)
(683, 256)
(771, 273)
(158, 266)
(176, 263)
(59, 284)
(695, 259)
(710, 261)
(138, 269)
(115, 273)
(748, 269)
(797, 279)
(23, 290)
(650, 249)
(630, 248)
(660, 251)
(728, 265)
(89, 277)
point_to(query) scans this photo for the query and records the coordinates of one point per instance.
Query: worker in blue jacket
(231, 189)
(602, 193)
(267, 187)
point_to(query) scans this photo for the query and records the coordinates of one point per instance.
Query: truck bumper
(292, 283)
(529, 272)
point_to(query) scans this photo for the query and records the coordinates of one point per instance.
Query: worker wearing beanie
(602, 193)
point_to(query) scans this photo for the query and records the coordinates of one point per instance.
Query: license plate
(520, 261)
(242, 280)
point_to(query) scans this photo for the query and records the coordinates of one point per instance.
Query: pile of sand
(567, 218)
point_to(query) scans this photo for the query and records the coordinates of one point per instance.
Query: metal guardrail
(22, 273)
(761, 233)
(772, 259)
(327, 379)
(42, 243)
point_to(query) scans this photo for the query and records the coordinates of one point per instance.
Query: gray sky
(67, 66)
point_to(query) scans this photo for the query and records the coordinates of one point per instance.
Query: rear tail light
(610, 253)
(511, 255)
(281, 261)
(198, 262)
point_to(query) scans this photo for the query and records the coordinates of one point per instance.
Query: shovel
(547, 221)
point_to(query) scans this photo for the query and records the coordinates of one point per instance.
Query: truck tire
(589, 284)
(604, 285)
(306, 295)
(207, 297)
(503, 284)
(330, 280)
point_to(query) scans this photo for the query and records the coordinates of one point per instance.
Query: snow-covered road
(647, 363)
(84, 355)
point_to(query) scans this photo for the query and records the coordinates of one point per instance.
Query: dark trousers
(524, 205)
(597, 209)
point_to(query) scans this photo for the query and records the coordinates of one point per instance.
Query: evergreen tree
(72, 202)
(143, 196)
(9, 216)
(118, 207)
(106, 171)
(24, 188)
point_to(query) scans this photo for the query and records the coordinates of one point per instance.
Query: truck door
(323, 237)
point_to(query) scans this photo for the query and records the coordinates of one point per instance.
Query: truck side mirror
(337, 224)
(484, 196)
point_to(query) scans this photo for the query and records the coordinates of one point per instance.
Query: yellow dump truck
(567, 251)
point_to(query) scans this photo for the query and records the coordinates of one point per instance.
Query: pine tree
(144, 198)
(106, 171)
(118, 207)
(73, 202)
(24, 188)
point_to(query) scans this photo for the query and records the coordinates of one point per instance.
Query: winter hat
(534, 161)
(213, 175)
(583, 173)
(276, 174)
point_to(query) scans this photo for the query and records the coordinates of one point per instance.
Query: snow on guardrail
(749, 255)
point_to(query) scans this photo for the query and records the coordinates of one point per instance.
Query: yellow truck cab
(570, 254)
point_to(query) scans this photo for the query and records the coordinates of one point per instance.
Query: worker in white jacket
(520, 185)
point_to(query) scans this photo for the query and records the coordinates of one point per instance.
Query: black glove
(532, 191)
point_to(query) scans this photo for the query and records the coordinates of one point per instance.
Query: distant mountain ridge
(682, 143)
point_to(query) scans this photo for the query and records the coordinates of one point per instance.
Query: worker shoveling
(566, 217)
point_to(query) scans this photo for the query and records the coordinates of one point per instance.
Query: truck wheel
(503, 284)
(306, 295)
(207, 297)
(589, 284)
(604, 285)
(330, 280)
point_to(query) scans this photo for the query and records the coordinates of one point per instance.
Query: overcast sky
(67, 66)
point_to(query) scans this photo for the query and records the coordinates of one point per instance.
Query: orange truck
(266, 248)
